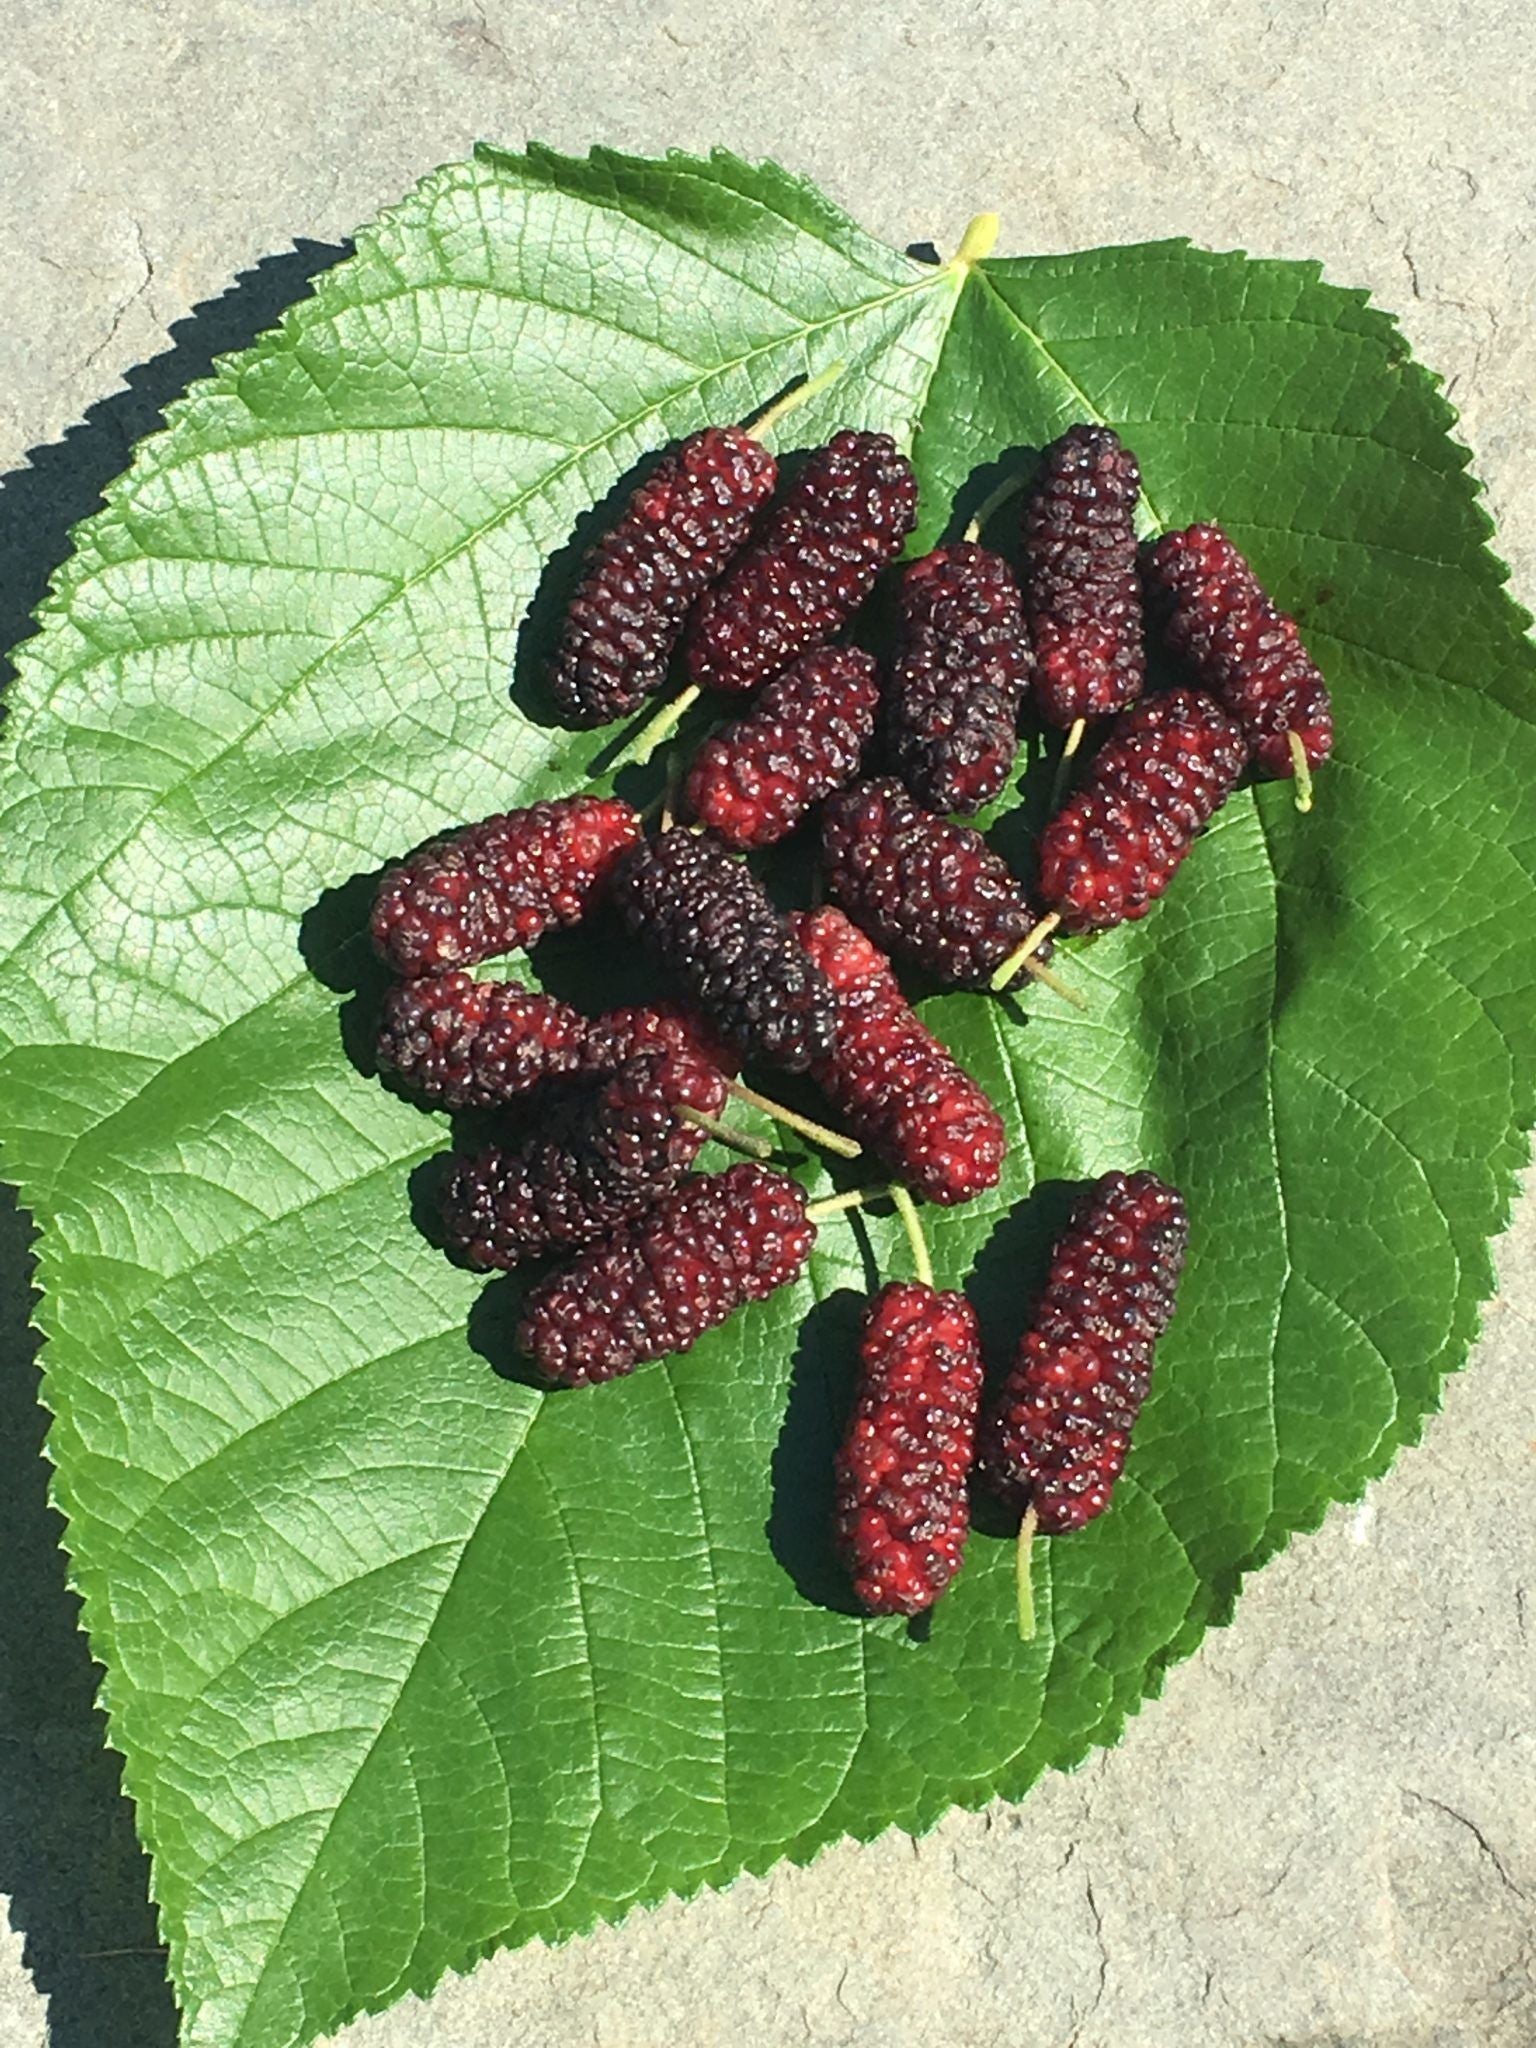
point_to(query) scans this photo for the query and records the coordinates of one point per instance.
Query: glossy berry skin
(961, 671)
(602, 1151)
(901, 1091)
(716, 1242)
(1168, 765)
(627, 1034)
(902, 1513)
(1081, 588)
(1056, 1436)
(1241, 647)
(457, 1043)
(710, 923)
(811, 564)
(498, 885)
(676, 535)
(933, 892)
(753, 782)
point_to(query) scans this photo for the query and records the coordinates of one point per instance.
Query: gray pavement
(1326, 1831)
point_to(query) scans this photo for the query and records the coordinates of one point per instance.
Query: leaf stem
(912, 1223)
(978, 241)
(792, 1120)
(834, 1205)
(726, 1134)
(1024, 1578)
(1303, 769)
(792, 400)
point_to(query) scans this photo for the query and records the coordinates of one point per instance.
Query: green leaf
(408, 1661)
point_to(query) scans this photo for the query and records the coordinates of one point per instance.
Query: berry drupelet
(961, 670)
(903, 1093)
(628, 1034)
(813, 562)
(1056, 1436)
(1081, 589)
(457, 1043)
(754, 781)
(711, 924)
(1242, 647)
(604, 1149)
(676, 535)
(1168, 765)
(500, 884)
(902, 1512)
(931, 891)
(716, 1242)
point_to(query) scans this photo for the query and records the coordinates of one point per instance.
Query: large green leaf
(408, 1661)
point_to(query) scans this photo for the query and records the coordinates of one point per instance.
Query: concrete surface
(1326, 1833)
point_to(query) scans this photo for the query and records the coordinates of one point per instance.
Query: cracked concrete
(1324, 1836)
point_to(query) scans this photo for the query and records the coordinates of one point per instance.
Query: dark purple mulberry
(902, 1511)
(498, 885)
(458, 1043)
(904, 1094)
(714, 1243)
(962, 667)
(755, 780)
(1168, 765)
(1081, 589)
(710, 923)
(811, 565)
(602, 1151)
(1242, 647)
(1056, 1437)
(921, 887)
(676, 535)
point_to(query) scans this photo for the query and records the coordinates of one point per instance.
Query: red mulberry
(714, 1243)
(931, 891)
(812, 564)
(754, 781)
(960, 674)
(1168, 765)
(902, 1091)
(498, 885)
(710, 922)
(1242, 647)
(619, 1035)
(902, 1512)
(601, 1152)
(459, 1043)
(1056, 1437)
(678, 532)
(1080, 585)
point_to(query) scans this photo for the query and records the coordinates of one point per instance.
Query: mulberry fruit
(619, 1035)
(1080, 584)
(902, 1512)
(902, 1091)
(711, 924)
(714, 1243)
(458, 1043)
(1243, 648)
(602, 1152)
(1168, 765)
(500, 884)
(754, 781)
(961, 671)
(678, 532)
(929, 890)
(811, 565)
(1056, 1437)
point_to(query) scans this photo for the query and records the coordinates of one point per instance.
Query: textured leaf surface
(408, 1661)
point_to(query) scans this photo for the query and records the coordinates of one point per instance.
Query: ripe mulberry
(812, 564)
(754, 781)
(962, 667)
(714, 1243)
(929, 890)
(1168, 765)
(904, 1093)
(1080, 584)
(677, 534)
(1056, 1437)
(902, 1512)
(602, 1151)
(619, 1035)
(458, 1043)
(709, 921)
(500, 884)
(1242, 647)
